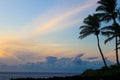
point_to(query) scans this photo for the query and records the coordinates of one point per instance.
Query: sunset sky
(31, 30)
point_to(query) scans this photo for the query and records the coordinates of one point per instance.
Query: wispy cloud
(64, 19)
(53, 20)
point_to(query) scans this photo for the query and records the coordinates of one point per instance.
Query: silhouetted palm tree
(92, 26)
(108, 11)
(110, 32)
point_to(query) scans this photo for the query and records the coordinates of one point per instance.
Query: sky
(32, 30)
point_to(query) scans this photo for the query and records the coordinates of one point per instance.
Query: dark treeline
(74, 78)
(105, 73)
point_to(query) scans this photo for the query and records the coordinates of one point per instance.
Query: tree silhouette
(108, 12)
(92, 26)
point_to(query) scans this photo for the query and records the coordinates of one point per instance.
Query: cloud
(54, 64)
(79, 55)
(92, 58)
(57, 19)
(24, 45)
(22, 52)
(77, 59)
(26, 56)
(51, 59)
(111, 55)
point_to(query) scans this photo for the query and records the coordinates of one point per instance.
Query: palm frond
(118, 42)
(108, 33)
(83, 26)
(106, 18)
(100, 8)
(91, 26)
(107, 28)
(109, 39)
(83, 35)
(109, 5)
(118, 47)
(100, 15)
(118, 11)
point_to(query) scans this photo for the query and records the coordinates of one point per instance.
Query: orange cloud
(111, 56)
(25, 39)
(2, 54)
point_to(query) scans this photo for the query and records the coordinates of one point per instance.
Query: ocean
(9, 75)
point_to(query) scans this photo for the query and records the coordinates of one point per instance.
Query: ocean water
(9, 75)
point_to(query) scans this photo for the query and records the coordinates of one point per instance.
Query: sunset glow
(31, 30)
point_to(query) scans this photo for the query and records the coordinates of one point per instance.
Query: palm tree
(92, 26)
(108, 11)
(112, 32)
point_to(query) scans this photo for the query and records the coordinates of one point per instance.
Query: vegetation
(107, 11)
(112, 71)
(105, 73)
(92, 26)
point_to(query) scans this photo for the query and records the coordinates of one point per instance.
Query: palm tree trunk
(116, 49)
(116, 45)
(101, 51)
